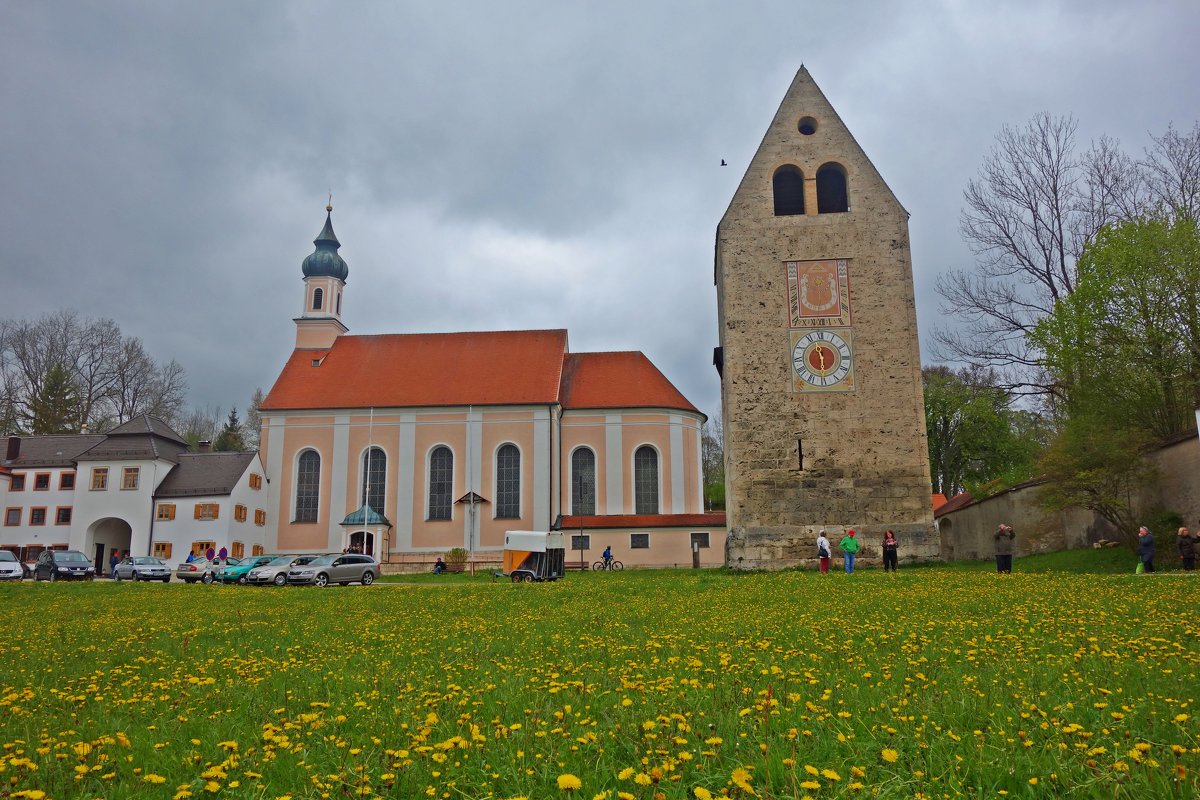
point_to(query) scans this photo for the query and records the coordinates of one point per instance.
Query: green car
(237, 572)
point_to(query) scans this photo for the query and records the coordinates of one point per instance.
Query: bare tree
(200, 425)
(253, 424)
(1172, 164)
(1027, 217)
(114, 377)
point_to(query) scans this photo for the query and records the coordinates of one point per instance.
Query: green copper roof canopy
(365, 516)
(325, 261)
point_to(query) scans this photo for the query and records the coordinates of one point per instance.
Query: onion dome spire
(325, 261)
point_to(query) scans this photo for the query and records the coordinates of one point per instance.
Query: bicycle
(612, 564)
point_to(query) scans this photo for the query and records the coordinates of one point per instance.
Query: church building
(819, 362)
(405, 446)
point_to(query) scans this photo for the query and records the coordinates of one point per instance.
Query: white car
(10, 568)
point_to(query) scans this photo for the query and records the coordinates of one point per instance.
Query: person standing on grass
(1004, 548)
(1187, 549)
(849, 546)
(1146, 548)
(823, 552)
(890, 550)
(113, 560)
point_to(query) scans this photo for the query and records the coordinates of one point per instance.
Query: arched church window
(508, 482)
(318, 299)
(374, 470)
(832, 194)
(308, 486)
(441, 482)
(583, 481)
(788, 185)
(645, 480)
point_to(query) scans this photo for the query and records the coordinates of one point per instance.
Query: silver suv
(341, 569)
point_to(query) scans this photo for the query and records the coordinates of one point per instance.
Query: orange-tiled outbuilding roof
(617, 380)
(424, 369)
(461, 369)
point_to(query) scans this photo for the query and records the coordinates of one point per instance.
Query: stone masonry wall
(864, 452)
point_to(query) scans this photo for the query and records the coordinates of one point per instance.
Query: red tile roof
(618, 380)
(461, 369)
(710, 519)
(961, 500)
(939, 500)
(424, 369)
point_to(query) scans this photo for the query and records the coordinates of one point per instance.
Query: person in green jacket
(849, 547)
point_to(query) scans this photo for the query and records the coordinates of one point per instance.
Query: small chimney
(204, 447)
(14, 448)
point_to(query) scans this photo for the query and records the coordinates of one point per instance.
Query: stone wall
(967, 534)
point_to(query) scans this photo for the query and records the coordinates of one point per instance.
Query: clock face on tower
(823, 361)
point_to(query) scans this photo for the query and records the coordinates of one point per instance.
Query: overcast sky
(500, 165)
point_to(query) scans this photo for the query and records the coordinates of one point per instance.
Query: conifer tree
(55, 408)
(230, 439)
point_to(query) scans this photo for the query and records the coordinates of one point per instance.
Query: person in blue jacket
(1146, 548)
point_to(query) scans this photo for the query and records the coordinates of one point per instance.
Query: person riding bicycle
(607, 556)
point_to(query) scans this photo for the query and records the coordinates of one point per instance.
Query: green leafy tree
(1100, 465)
(976, 441)
(230, 439)
(55, 408)
(1126, 344)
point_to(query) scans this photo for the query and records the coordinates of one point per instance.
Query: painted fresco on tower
(818, 293)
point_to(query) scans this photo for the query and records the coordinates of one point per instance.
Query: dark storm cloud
(497, 165)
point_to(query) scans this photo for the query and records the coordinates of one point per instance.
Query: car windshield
(148, 561)
(280, 561)
(5, 555)
(321, 561)
(71, 557)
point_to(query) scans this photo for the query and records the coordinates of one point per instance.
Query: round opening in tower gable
(807, 126)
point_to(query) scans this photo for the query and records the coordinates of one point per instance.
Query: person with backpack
(849, 546)
(823, 551)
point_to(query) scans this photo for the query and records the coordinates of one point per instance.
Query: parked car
(201, 570)
(10, 568)
(142, 568)
(276, 570)
(236, 573)
(341, 569)
(61, 565)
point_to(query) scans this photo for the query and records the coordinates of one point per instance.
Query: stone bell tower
(819, 362)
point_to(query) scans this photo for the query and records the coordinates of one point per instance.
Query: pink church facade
(409, 445)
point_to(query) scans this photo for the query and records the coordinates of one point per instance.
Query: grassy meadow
(646, 685)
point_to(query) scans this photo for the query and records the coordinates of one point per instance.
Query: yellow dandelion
(830, 775)
(702, 793)
(890, 756)
(741, 779)
(568, 782)
(152, 778)
(625, 774)
(809, 785)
